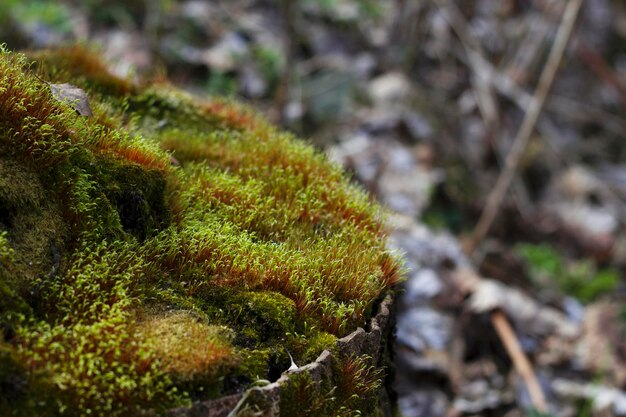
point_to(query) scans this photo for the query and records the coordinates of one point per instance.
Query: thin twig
(602, 69)
(520, 360)
(530, 51)
(495, 198)
(468, 282)
(565, 107)
(482, 88)
(281, 96)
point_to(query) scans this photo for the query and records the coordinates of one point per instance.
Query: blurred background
(428, 104)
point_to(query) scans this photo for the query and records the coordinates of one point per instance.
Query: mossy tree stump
(165, 250)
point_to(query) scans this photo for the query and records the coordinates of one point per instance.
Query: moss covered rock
(164, 249)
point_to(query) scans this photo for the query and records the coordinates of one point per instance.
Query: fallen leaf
(533, 317)
(72, 95)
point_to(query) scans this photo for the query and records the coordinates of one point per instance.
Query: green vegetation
(221, 83)
(367, 8)
(6, 252)
(354, 395)
(270, 62)
(166, 249)
(581, 279)
(36, 12)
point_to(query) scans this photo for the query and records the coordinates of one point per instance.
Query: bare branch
(495, 198)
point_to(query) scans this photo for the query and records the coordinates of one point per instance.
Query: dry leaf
(533, 317)
(74, 96)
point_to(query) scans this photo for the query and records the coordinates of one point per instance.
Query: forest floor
(492, 130)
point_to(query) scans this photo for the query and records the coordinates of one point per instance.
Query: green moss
(138, 196)
(254, 363)
(192, 352)
(31, 235)
(6, 251)
(352, 391)
(302, 396)
(165, 248)
(98, 368)
(21, 395)
(78, 66)
(12, 304)
(358, 381)
(317, 343)
(270, 314)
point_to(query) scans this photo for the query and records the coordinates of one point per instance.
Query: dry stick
(565, 107)
(495, 198)
(481, 85)
(467, 281)
(519, 358)
(482, 88)
(281, 96)
(602, 69)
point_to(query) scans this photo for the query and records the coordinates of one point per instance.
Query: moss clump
(194, 353)
(316, 342)
(269, 314)
(303, 396)
(20, 394)
(165, 248)
(6, 252)
(352, 392)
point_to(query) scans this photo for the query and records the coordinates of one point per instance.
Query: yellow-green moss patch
(167, 248)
